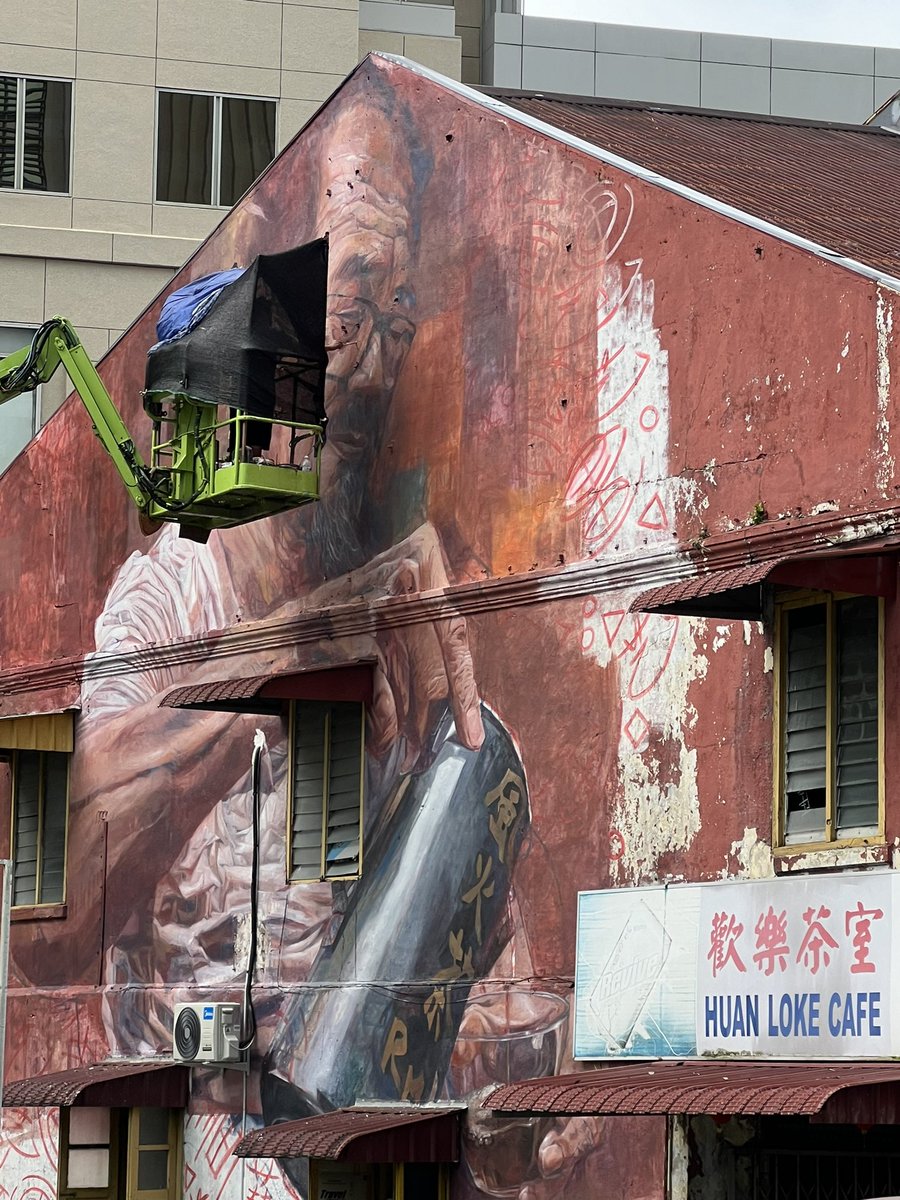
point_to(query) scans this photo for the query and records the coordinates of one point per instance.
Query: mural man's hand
(419, 664)
(567, 1144)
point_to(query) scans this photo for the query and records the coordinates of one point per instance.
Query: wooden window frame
(111, 1190)
(172, 1147)
(292, 727)
(124, 1133)
(36, 903)
(785, 604)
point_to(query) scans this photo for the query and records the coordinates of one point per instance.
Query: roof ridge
(603, 102)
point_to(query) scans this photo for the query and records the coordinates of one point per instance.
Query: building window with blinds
(829, 690)
(210, 149)
(35, 134)
(40, 803)
(327, 770)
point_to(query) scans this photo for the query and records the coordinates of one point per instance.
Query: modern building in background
(126, 131)
(816, 80)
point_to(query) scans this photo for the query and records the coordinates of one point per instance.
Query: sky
(858, 22)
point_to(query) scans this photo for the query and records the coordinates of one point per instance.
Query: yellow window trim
(172, 1147)
(52, 731)
(803, 599)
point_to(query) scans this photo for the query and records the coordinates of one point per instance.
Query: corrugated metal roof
(673, 1086)
(264, 693)
(208, 695)
(116, 1084)
(682, 596)
(408, 1134)
(836, 185)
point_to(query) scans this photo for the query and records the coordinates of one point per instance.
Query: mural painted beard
(340, 532)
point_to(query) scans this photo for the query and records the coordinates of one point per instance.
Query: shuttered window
(40, 801)
(326, 790)
(829, 737)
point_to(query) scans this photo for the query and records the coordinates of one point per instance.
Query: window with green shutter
(828, 758)
(325, 813)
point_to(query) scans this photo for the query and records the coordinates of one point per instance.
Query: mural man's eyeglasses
(358, 324)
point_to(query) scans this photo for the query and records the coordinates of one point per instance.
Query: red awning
(408, 1134)
(120, 1083)
(717, 1088)
(736, 593)
(267, 693)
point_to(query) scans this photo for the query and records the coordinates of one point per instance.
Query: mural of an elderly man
(177, 783)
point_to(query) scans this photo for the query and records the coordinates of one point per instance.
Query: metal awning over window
(864, 1092)
(119, 1083)
(363, 1135)
(736, 593)
(266, 694)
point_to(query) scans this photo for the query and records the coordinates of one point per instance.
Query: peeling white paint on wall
(753, 856)
(884, 324)
(627, 502)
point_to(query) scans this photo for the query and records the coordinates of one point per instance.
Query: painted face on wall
(366, 189)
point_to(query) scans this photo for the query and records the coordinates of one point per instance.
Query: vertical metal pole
(7, 866)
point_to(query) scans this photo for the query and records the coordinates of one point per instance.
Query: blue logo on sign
(207, 1013)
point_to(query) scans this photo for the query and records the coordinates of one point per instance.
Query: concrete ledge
(147, 250)
(389, 16)
(89, 245)
(40, 241)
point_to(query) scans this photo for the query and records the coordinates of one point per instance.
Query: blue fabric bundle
(189, 305)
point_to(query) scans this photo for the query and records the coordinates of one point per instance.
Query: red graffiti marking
(649, 418)
(654, 515)
(612, 623)
(590, 606)
(587, 639)
(638, 369)
(637, 730)
(648, 669)
(616, 845)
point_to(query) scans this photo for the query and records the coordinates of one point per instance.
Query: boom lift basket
(234, 388)
(236, 391)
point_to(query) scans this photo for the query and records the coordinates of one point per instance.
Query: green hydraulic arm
(202, 472)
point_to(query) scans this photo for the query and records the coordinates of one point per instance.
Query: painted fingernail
(552, 1159)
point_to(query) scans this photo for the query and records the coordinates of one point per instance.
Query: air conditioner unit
(208, 1033)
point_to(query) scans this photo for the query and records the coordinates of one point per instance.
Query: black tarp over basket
(261, 346)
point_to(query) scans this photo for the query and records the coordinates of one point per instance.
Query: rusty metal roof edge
(384, 1117)
(640, 172)
(581, 1093)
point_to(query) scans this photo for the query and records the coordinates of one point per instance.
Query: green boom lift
(212, 465)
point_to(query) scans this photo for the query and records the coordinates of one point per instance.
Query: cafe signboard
(782, 968)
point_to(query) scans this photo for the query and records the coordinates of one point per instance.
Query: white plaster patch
(242, 928)
(846, 856)
(754, 858)
(720, 637)
(827, 506)
(768, 661)
(884, 460)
